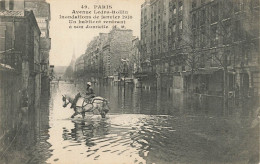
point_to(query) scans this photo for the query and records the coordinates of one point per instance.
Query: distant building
(134, 57)
(105, 53)
(146, 32)
(79, 67)
(119, 45)
(59, 71)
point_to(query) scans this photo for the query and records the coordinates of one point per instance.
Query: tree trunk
(192, 90)
(225, 87)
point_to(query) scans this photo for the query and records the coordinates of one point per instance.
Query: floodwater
(143, 126)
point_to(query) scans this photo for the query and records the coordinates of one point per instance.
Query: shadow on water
(28, 143)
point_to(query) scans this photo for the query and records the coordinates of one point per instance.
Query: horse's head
(65, 101)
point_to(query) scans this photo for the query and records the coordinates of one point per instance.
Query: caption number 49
(84, 6)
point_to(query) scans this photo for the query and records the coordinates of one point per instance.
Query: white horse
(82, 105)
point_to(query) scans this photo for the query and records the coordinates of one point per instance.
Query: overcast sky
(65, 40)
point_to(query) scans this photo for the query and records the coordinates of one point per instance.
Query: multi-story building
(145, 41)
(166, 30)
(79, 66)
(226, 41)
(105, 53)
(20, 53)
(119, 45)
(91, 59)
(205, 39)
(134, 57)
(41, 10)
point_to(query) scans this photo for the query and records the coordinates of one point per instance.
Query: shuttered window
(2, 37)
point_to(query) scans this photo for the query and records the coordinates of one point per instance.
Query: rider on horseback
(89, 95)
(90, 92)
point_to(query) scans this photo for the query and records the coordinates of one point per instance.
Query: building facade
(41, 10)
(226, 34)
(164, 32)
(105, 53)
(211, 48)
(20, 61)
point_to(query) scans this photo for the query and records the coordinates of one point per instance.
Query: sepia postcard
(129, 82)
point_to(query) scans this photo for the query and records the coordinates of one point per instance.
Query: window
(227, 32)
(238, 6)
(11, 4)
(183, 68)
(202, 61)
(174, 9)
(203, 17)
(180, 6)
(194, 4)
(2, 38)
(213, 62)
(194, 38)
(2, 4)
(227, 8)
(214, 13)
(180, 25)
(229, 58)
(174, 28)
(214, 38)
(237, 30)
(194, 21)
(203, 36)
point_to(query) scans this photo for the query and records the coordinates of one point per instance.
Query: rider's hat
(89, 83)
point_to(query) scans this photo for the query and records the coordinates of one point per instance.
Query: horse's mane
(69, 97)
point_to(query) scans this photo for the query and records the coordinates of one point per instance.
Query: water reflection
(143, 126)
(161, 139)
(28, 143)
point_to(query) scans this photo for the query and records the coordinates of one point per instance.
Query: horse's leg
(74, 115)
(102, 113)
(83, 115)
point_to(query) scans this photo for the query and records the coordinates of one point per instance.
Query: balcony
(12, 59)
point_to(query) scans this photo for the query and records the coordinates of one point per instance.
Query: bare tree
(214, 30)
